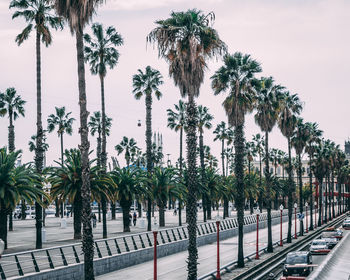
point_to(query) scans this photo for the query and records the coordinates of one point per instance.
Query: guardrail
(23, 263)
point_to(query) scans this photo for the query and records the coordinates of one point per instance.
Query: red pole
(295, 224)
(257, 237)
(315, 216)
(155, 255)
(307, 230)
(281, 242)
(218, 276)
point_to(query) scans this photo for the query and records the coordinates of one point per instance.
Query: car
(298, 264)
(337, 233)
(331, 241)
(346, 224)
(319, 246)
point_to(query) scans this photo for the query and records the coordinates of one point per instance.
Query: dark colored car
(298, 264)
(346, 224)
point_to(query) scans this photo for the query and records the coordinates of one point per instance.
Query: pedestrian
(134, 218)
(94, 220)
(175, 212)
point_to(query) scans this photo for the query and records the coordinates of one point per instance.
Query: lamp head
(306, 204)
(295, 205)
(281, 207)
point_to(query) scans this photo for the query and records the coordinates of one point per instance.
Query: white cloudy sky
(303, 44)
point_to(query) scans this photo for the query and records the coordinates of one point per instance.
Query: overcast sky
(303, 44)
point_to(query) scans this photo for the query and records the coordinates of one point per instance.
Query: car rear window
(295, 259)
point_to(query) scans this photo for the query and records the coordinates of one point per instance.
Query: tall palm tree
(204, 121)
(314, 137)
(100, 52)
(95, 125)
(11, 104)
(186, 40)
(236, 77)
(290, 108)
(16, 183)
(268, 106)
(144, 84)
(63, 122)
(299, 141)
(78, 14)
(40, 16)
(128, 146)
(259, 142)
(223, 133)
(177, 122)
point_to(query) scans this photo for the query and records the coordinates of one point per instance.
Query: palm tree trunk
(300, 194)
(39, 151)
(268, 194)
(3, 223)
(191, 209)
(223, 175)
(329, 198)
(332, 201)
(126, 219)
(88, 241)
(104, 217)
(23, 209)
(149, 163)
(62, 161)
(113, 210)
(104, 139)
(77, 215)
(161, 215)
(99, 212)
(11, 149)
(260, 198)
(239, 172)
(204, 181)
(180, 212)
(290, 192)
(319, 201)
(311, 227)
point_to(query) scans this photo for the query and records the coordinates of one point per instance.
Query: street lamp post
(155, 232)
(295, 223)
(257, 233)
(306, 205)
(218, 276)
(281, 241)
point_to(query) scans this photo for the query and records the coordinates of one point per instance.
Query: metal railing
(34, 261)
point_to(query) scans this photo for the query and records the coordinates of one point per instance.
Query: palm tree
(128, 147)
(100, 52)
(129, 184)
(144, 84)
(186, 40)
(237, 77)
(299, 141)
(259, 143)
(78, 14)
(204, 121)
(64, 123)
(39, 15)
(66, 182)
(95, 125)
(13, 105)
(268, 106)
(177, 121)
(290, 109)
(162, 182)
(16, 183)
(223, 133)
(314, 137)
